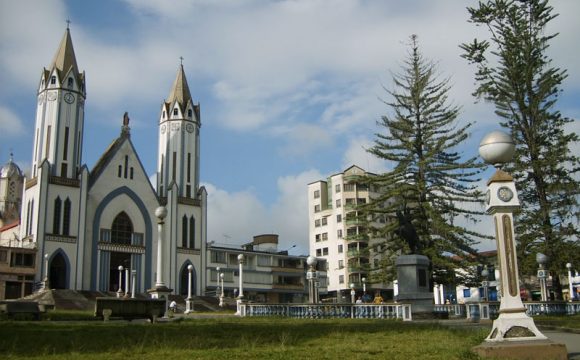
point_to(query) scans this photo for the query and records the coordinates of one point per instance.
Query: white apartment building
(336, 236)
(268, 275)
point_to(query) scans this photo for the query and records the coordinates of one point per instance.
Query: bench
(15, 308)
(129, 309)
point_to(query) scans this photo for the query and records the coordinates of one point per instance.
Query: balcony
(363, 268)
(357, 237)
(299, 287)
(358, 253)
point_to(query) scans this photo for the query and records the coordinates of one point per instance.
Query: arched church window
(175, 111)
(191, 232)
(122, 229)
(70, 82)
(56, 214)
(184, 232)
(66, 217)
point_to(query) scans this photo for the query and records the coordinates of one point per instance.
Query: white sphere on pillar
(161, 212)
(496, 148)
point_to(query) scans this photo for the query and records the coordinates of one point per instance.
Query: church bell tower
(60, 114)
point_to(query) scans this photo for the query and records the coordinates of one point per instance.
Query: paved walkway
(569, 337)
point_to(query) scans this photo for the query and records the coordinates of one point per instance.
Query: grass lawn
(569, 321)
(239, 338)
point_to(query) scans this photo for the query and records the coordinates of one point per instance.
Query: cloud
(10, 123)
(356, 154)
(234, 218)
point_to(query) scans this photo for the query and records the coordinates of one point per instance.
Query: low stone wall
(129, 309)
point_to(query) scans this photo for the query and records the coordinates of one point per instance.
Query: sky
(290, 90)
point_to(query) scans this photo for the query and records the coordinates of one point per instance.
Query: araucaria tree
(515, 73)
(430, 184)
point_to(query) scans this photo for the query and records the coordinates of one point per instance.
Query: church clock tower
(54, 201)
(60, 114)
(179, 126)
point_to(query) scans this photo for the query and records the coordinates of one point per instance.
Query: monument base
(531, 350)
(162, 293)
(514, 327)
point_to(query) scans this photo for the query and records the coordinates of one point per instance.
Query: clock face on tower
(69, 98)
(189, 128)
(505, 194)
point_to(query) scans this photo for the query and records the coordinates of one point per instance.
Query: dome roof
(10, 169)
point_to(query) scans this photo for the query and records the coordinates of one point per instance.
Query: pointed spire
(180, 90)
(65, 59)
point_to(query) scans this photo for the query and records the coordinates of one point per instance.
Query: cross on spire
(181, 59)
(68, 24)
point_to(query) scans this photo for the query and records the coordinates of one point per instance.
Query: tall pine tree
(430, 185)
(515, 73)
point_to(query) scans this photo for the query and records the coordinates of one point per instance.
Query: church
(87, 223)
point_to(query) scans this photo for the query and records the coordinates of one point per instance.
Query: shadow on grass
(37, 338)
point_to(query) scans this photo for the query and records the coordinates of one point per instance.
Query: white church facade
(85, 222)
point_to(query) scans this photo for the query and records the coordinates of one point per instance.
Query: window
(188, 191)
(120, 171)
(65, 150)
(66, 217)
(191, 232)
(317, 237)
(337, 188)
(318, 252)
(122, 229)
(324, 236)
(63, 169)
(184, 232)
(70, 82)
(189, 166)
(348, 187)
(325, 220)
(163, 116)
(316, 194)
(317, 222)
(324, 251)
(341, 279)
(339, 233)
(53, 80)
(264, 260)
(340, 249)
(19, 259)
(218, 257)
(340, 264)
(126, 165)
(174, 165)
(466, 293)
(339, 218)
(316, 208)
(189, 113)
(338, 203)
(131, 173)
(56, 218)
(175, 111)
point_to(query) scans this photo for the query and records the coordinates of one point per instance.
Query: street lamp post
(570, 284)
(217, 289)
(160, 291)
(120, 291)
(485, 283)
(240, 299)
(45, 281)
(127, 270)
(133, 280)
(161, 213)
(311, 277)
(542, 259)
(222, 295)
(364, 282)
(189, 301)
(498, 148)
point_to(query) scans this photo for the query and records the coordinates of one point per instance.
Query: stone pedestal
(413, 279)
(162, 293)
(532, 350)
